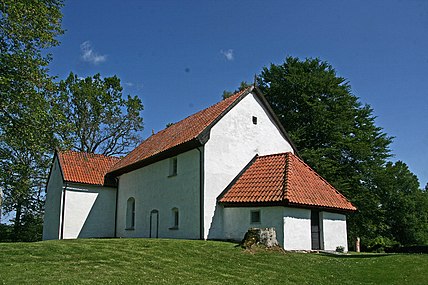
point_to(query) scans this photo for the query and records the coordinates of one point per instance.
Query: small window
(130, 214)
(254, 120)
(174, 219)
(255, 217)
(173, 166)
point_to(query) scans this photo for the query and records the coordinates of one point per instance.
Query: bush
(340, 248)
(30, 229)
(6, 233)
(379, 244)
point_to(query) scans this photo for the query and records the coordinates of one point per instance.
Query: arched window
(174, 219)
(130, 214)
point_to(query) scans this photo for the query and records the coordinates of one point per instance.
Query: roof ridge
(286, 180)
(234, 96)
(238, 176)
(85, 167)
(188, 131)
(230, 98)
(88, 153)
(191, 115)
(322, 178)
(275, 154)
(279, 179)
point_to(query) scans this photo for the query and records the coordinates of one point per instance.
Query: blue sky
(179, 56)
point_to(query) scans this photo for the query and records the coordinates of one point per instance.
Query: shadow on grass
(359, 256)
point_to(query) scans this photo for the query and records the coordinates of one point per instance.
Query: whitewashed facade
(158, 193)
(223, 157)
(292, 226)
(176, 197)
(233, 142)
(74, 210)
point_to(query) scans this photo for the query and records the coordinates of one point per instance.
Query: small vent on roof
(254, 120)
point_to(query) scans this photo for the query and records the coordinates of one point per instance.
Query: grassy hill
(160, 261)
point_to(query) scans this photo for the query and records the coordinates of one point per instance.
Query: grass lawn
(161, 261)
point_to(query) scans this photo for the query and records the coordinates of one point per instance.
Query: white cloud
(129, 84)
(228, 54)
(89, 55)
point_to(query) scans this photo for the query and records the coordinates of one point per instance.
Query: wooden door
(315, 229)
(154, 224)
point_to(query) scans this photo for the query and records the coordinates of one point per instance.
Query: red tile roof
(186, 131)
(85, 168)
(284, 179)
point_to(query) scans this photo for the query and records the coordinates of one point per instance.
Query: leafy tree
(242, 86)
(92, 115)
(27, 28)
(333, 132)
(405, 206)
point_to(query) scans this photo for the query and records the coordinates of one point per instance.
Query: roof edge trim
(189, 145)
(328, 183)
(236, 178)
(266, 104)
(284, 204)
(51, 168)
(204, 136)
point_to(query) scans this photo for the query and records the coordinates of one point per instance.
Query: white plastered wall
(292, 225)
(51, 219)
(153, 189)
(233, 142)
(297, 229)
(237, 221)
(333, 230)
(89, 211)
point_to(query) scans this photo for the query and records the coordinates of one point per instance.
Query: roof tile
(81, 167)
(179, 133)
(284, 178)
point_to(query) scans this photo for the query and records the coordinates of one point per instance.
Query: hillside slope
(160, 261)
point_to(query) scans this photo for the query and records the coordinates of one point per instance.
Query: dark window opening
(173, 166)
(130, 214)
(254, 120)
(175, 219)
(255, 217)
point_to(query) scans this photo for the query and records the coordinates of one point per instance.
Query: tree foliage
(338, 137)
(92, 115)
(35, 117)
(242, 86)
(404, 205)
(332, 130)
(27, 28)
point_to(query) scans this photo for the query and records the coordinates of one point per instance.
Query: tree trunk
(17, 222)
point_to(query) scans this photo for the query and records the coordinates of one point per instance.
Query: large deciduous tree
(92, 115)
(27, 29)
(404, 204)
(333, 132)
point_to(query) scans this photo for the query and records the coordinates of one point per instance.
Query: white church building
(213, 175)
